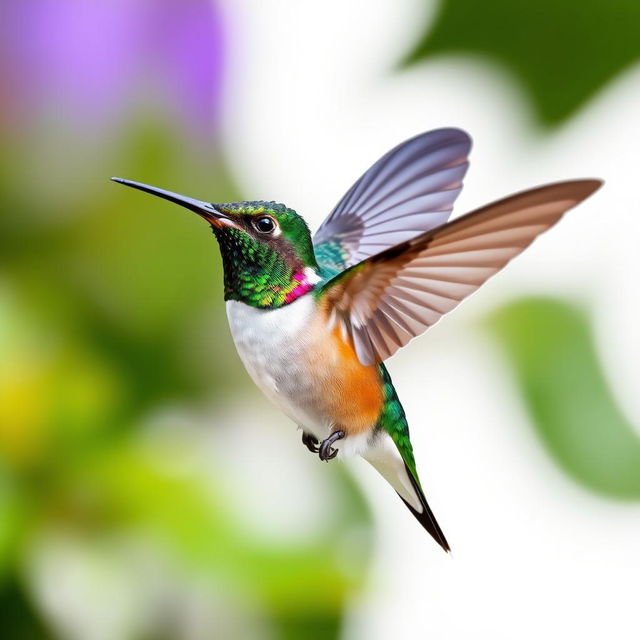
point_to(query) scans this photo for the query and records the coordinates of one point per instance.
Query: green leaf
(20, 618)
(561, 51)
(551, 353)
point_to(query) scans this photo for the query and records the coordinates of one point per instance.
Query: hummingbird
(314, 318)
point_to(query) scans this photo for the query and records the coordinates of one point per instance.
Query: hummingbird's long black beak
(204, 209)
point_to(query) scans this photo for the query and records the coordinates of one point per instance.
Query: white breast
(270, 343)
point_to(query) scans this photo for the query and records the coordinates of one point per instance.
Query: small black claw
(310, 441)
(326, 451)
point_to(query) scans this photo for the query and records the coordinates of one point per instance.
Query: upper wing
(408, 191)
(394, 296)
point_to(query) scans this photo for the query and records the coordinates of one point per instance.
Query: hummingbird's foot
(310, 441)
(326, 451)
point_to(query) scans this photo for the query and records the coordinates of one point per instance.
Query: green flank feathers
(265, 272)
(394, 422)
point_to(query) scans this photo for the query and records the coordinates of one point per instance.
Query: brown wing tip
(579, 190)
(570, 191)
(584, 188)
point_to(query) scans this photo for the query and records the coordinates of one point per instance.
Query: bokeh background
(147, 489)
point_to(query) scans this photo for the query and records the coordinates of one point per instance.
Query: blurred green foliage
(113, 334)
(550, 349)
(110, 312)
(561, 52)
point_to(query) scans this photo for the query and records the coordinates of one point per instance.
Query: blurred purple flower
(91, 59)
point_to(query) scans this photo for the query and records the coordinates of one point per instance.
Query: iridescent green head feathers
(267, 253)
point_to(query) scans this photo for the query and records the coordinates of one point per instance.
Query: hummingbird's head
(266, 248)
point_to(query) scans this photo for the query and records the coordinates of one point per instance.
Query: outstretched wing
(408, 191)
(388, 299)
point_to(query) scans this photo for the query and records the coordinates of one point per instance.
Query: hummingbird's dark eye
(264, 224)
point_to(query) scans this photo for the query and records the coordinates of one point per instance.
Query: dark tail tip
(426, 518)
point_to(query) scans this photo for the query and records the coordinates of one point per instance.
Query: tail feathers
(426, 517)
(386, 459)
